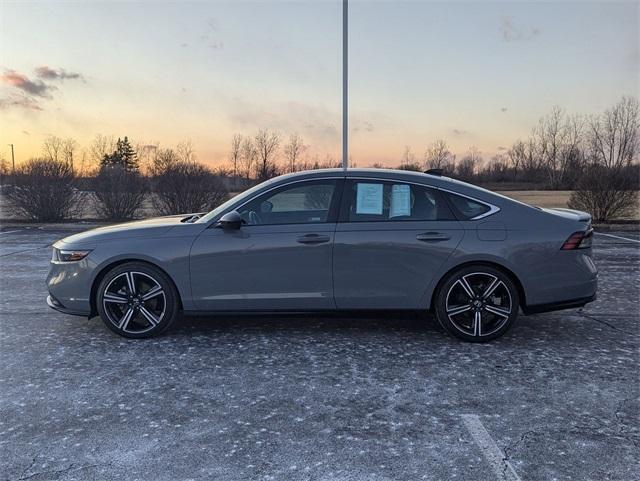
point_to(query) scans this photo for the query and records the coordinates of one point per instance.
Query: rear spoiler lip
(572, 214)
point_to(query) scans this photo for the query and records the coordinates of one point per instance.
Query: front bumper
(53, 303)
(69, 285)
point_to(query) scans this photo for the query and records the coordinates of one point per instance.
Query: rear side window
(464, 208)
(377, 201)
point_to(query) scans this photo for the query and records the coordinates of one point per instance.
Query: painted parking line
(493, 454)
(10, 231)
(618, 237)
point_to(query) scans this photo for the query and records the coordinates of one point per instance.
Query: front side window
(299, 203)
(374, 201)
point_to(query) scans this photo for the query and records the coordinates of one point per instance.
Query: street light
(345, 84)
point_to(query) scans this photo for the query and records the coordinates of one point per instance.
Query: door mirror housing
(230, 221)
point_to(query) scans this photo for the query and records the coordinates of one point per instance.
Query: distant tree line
(258, 157)
(51, 188)
(596, 157)
(554, 156)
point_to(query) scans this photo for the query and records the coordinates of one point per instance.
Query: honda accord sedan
(329, 240)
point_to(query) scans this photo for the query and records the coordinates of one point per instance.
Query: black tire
(151, 308)
(457, 310)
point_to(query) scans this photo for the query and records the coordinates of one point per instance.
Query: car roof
(407, 175)
(356, 172)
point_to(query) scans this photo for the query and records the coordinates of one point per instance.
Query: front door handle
(313, 239)
(433, 237)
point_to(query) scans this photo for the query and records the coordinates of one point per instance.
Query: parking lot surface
(288, 398)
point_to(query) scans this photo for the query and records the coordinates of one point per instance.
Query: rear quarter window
(464, 208)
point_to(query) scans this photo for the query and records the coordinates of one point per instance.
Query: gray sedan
(328, 240)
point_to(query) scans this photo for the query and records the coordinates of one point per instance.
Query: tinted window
(371, 201)
(299, 203)
(466, 209)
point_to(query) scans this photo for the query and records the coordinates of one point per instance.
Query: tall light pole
(13, 160)
(345, 84)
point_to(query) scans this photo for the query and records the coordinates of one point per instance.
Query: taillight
(578, 240)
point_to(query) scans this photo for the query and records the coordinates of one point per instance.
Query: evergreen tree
(124, 156)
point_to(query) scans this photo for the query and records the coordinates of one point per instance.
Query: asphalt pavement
(288, 398)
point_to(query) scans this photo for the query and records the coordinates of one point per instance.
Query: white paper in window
(369, 199)
(400, 201)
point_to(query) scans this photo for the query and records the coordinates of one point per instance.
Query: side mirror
(230, 221)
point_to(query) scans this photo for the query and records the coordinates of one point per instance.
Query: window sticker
(369, 199)
(400, 201)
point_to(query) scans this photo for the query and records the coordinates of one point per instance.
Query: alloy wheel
(478, 304)
(134, 302)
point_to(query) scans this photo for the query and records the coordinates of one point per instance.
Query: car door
(392, 237)
(281, 257)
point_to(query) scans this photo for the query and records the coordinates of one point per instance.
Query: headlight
(62, 255)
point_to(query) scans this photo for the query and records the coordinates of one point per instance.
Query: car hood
(571, 214)
(141, 228)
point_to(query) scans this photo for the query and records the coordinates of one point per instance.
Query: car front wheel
(477, 303)
(137, 300)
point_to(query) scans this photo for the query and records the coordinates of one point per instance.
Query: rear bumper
(558, 306)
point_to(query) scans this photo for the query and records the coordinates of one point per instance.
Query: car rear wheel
(477, 303)
(137, 300)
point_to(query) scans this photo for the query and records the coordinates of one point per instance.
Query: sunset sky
(473, 73)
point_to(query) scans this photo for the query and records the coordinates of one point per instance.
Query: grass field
(557, 198)
(541, 198)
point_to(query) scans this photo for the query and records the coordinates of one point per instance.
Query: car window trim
(332, 215)
(492, 208)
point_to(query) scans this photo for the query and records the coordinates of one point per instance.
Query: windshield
(224, 206)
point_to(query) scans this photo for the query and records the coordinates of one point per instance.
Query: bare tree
(438, 156)
(408, 161)
(5, 169)
(57, 149)
(119, 192)
(101, 145)
(466, 168)
(146, 154)
(293, 151)
(408, 157)
(43, 190)
(558, 139)
(186, 187)
(236, 153)
(614, 134)
(608, 188)
(186, 152)
(52, 148)
(162, 161)
(69, 150)
(248, 156)
(605, 192)
(266, 144)
(517, 156)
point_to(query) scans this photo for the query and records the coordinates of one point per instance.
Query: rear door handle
(313, 239)
(433, 237)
